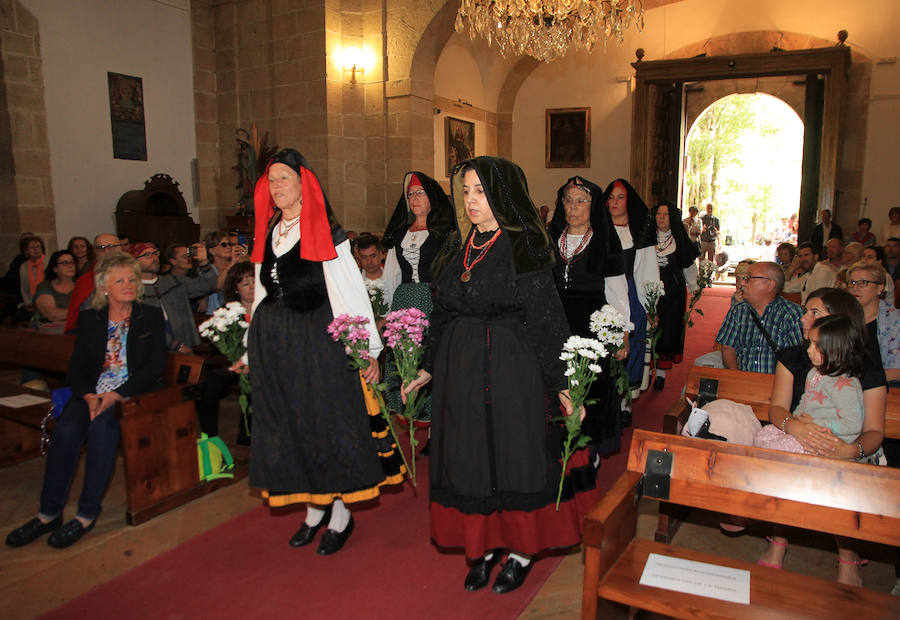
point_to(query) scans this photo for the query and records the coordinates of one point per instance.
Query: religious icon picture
(126, 112)
(460, 141)
(568, 143)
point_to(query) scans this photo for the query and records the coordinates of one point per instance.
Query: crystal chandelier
(546, 29)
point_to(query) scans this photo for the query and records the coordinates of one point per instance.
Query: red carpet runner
(389, 569)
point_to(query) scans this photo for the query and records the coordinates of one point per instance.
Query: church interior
(368, 90)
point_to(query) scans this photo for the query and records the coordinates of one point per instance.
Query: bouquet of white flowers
(376, 298)
(226, 331)
(581, 356)
(611, 327)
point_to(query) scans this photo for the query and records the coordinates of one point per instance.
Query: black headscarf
(641, 225)
(441, 220)
(507, 194)
(685, 249)
(603, 251)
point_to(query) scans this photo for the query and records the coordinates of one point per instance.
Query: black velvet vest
(300, 282)
(426, 254)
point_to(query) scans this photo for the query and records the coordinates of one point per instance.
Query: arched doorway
(743, 154)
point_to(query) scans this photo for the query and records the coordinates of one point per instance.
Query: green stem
(566, 454)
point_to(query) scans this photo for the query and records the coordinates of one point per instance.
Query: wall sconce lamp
(356, 60)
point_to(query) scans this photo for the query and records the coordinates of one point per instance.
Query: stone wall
(26, 193)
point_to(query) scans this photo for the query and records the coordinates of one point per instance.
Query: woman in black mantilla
(312, 440)
(417, 230)
(589, 275)
(497, 331)
(677, 256)
(636, 235)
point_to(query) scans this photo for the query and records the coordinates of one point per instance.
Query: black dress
(494, 351)
(312, 440)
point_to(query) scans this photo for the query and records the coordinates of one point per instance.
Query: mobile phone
(242, 239)
(192, 250)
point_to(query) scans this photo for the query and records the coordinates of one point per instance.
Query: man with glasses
(84, 286)
(763, 322)
(224, 251)
(806, 273)
(174, 293)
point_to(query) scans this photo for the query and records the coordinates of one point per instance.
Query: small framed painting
(460, 142)
(126, 112)
(568, 142)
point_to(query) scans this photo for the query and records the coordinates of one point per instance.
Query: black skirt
(314, 439)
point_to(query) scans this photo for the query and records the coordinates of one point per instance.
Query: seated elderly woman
(51, 297)
(788, 388)
(866, 282)
(120, 351)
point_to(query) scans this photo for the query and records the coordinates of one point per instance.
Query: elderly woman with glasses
(120, 351)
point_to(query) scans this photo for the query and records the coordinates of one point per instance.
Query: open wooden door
(657, 134)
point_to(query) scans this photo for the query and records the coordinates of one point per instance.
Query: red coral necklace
(484, 247)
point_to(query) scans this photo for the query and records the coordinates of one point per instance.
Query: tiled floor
(113, 547)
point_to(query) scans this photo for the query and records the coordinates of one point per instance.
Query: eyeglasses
(416, 193)
(861, 283)
(65, 262)
(577, 201)
(226, 244)
(109, 246)
(747, 278)
(149, 254)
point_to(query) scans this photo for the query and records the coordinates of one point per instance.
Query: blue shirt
(781, 318)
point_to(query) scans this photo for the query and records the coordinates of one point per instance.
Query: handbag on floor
(213, 458)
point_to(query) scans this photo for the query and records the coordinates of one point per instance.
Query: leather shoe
(480, 572)
(511, 577)
(659, 383)
(69, 534)
(31, 531)
(306, 533)
(333, 541)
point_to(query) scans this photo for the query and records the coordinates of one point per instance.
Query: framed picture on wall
(459, 137)
(126, 112)
(568, 143)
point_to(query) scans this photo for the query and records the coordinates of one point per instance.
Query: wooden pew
(825, 495)
(749, 388)
(159, 428)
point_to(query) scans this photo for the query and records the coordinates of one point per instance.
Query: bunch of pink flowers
(351, 331)
(404, 331)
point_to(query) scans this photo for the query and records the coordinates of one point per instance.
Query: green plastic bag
(214, 458)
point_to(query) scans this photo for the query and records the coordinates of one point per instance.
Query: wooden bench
(749, 388)
(817, 493)
(159, 428)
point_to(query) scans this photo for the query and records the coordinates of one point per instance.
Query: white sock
(314, 515)
(340, 516)
(524, 560)
(660, 373)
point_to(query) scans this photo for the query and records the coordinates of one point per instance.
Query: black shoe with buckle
(659, 383)
(306, 533)
(69, 534)
(332, 541)
(31, 531)
(511, 577)
(480, 572)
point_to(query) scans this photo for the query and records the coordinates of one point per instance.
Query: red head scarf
(413, 182)
(315, 231)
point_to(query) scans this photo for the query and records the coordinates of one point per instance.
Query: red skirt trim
(526, 532)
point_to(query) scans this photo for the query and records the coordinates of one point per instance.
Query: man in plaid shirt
(744, 347)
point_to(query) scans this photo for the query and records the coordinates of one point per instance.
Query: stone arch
(409, 95)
